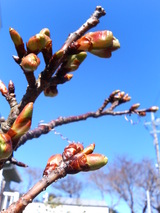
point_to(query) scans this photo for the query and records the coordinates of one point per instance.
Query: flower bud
(153, 109)
(115, 92)
(86, 163)
(74, 61)
(38, 42)
(126, 98)
(18, 42)
(89, 149)
(115, 44)
(51, 91)
(5, 146)
(121, 94)
(53, 162)
(95, 40)
(94, 162)
(30, 62)
(142, 113)
(102, 53)
(134, 107)
(68, 77)
(107, 51)
(72, 149)
(3, 88)
(100, 43)
(11, 87)
(22, 124)
(45, 31)
(16, 38)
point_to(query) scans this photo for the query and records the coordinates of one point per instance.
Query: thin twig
(45, 128)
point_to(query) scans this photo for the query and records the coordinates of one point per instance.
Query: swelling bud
(5, 146)
(22, 124)
(30, 62)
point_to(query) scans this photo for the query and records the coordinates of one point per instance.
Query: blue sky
(134, 68)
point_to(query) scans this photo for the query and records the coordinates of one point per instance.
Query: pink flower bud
(5, 146)
(30, 62)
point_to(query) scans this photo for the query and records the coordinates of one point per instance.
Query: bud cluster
(99, 43)
(39, 42)
(119, 96)
(28, 60)
(9, 140)
(76, 159)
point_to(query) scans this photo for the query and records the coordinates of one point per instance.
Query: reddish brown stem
(40, 186)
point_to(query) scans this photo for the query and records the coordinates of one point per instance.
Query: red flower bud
(71, 150)
(53, 162)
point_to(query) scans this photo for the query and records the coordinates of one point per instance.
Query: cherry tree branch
(44, 77)
(74, 159)
(36, 86)
(40, 186)
(115, 99)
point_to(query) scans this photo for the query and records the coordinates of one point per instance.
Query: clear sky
(134, 68)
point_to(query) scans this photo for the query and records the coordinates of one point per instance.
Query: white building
(68, 205)
(7, 175)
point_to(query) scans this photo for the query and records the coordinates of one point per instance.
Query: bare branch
(115, 101)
